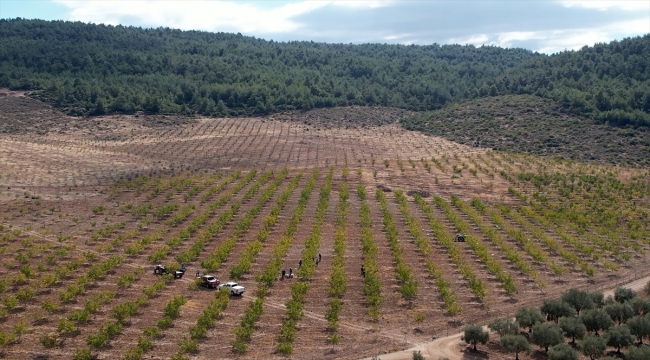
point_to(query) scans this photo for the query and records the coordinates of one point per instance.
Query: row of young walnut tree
(578, 322)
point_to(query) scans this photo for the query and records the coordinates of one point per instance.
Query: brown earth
(55, 170)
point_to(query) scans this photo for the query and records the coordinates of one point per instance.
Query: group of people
(290, 275)
(284, 274)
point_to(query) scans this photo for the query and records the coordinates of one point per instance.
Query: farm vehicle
(160, 269)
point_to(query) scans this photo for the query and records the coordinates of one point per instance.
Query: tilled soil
(58, 186)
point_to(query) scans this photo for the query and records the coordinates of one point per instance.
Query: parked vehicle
(160, 269)
(209, 281)
(235, 289)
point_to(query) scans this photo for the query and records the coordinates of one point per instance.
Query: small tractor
(160, 269)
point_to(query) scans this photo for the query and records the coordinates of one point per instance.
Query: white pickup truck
(235, 289)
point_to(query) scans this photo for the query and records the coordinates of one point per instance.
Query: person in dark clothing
(319, 257)
(198, 272)
(363, 271)
(290, 273)
(299, 263)
(283, 273)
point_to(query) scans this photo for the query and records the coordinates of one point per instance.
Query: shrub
(50, 341)
(84, 354)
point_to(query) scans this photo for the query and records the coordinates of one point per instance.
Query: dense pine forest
(96, 69)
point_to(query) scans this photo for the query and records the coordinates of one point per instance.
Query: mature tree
(622, 294)
(555, 309)
(593, 346)
(619, 336)
(640, 306)
(579, 300)
(596, 319)
(515, 344)
(563, 352)
(639, 327)
(528, 317)
(475, 334)
(598, 298)
(638, 353)
(504, 326)
(573, 327)
(545, 335)
(619, 312)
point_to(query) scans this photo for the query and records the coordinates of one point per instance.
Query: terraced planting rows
(82, 285)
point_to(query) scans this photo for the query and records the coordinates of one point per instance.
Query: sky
(545, 26)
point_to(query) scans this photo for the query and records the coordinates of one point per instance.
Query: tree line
(618, 322)
(93, 69)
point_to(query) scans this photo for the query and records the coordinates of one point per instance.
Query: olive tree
(475, 334)
(555, 309)
(638, 353)
(639, 327)
(640, 306)
(598, 298)
(515, 344)
(562, 352)
(579, 300)
(622, 294)
(596, 319)
(545, 335)
(573, 327)
(504, 326)
(619, 312)
(618, 337)
(528, 317)
(593, 346)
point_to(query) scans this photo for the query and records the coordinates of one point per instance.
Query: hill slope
(530, 124)
(92, 69)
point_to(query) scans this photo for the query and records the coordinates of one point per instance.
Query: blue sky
(546, 26)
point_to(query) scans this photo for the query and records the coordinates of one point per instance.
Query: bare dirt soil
(57, 176)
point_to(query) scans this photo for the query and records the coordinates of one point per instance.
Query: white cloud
(507, 39)
(574, 39)
(629, 5)
(228, 16)
(367, 4)
(544, 26)
(553, 41)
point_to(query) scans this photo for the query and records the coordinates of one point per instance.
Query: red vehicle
(209, 281)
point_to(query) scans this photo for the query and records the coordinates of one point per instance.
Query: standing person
(283, 273)
(198, 272)
(363, 271)
(319, 257)
(290, 272)
(299, 263)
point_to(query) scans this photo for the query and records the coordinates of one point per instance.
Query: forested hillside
(94, 69)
